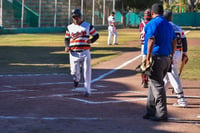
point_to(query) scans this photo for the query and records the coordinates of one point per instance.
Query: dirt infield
(48, 103)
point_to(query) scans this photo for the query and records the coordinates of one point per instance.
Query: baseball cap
(112, 12)
(147, 14)
(76, 12)
(167, 14)
(157, 8)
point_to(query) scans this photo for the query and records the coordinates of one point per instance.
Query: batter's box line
(77, 94)
(31, 75)
(104, 102)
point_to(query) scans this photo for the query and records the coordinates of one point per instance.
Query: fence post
(39, 18)
(93, 12)
(82, 6)
(1, 10)
(69, 11)
(113, 5)
(104, 11)
(22, 15)
(55, 13)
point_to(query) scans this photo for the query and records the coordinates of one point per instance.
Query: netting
(52, 13)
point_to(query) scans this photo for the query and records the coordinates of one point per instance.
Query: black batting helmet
(76, 12)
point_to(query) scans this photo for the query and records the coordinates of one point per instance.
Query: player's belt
(78, 50)
(179, 49)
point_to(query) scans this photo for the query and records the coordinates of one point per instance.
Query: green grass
(192, 68)
(44, 53)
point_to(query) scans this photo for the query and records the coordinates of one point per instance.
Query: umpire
(159, 47)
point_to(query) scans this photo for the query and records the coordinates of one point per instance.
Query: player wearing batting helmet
(181, 53)
(147, 18)
(77, 43)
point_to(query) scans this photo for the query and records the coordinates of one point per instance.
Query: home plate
(81, 89)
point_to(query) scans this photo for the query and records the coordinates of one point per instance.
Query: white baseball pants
(173, 76)
(112, 32)
(78, 59)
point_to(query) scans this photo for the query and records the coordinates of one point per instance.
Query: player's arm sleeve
(174, 42)
(94, 33)
(67, 41)
(184, 42)
(67, 38)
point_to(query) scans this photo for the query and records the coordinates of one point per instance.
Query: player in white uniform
(112, 29)
(181, 50)
(77, 43)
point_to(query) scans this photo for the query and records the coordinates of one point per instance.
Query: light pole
(1, 10)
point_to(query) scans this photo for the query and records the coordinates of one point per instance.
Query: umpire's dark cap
(76, 12)
(157, 8)
(168, 15)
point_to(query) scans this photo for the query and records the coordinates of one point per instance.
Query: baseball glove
(146, 68)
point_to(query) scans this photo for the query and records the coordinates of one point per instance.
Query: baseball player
(147, 18)
(77, 43)
(181, 52)
(112, 29)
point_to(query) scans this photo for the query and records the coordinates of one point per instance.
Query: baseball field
(37, 93)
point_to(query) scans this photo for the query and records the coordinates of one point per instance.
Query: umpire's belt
(78, 50)
(160, 56)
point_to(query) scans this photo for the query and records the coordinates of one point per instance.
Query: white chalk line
(31, 75)
(186, 32)
(186, 96)
(104, 102)
(60, 83)
(22, 90)
(50, 118)
(100, 77)
(86, 101)
(115, 69)
(74, 94)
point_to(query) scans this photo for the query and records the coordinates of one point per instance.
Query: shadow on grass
(20, 60)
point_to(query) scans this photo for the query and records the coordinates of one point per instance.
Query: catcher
(180, 56)
(147, 18)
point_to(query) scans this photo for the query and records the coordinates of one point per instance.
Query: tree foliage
(134, 5)
(182, 5)
(192, 5)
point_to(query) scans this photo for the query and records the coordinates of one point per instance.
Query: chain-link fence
(52, 13)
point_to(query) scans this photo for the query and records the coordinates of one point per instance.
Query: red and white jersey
(142, 32)
(179, 35)
(111, 20)
(79, 34)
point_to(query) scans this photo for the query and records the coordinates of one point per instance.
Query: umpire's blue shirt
(162, 31)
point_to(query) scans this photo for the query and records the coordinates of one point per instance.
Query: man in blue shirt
(159, 47)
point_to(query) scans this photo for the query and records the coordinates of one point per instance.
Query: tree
(135, 5)
(192, 4)
(125, 6)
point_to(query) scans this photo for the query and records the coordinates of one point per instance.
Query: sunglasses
(75, 17)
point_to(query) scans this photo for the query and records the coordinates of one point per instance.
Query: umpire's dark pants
(156, 100)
